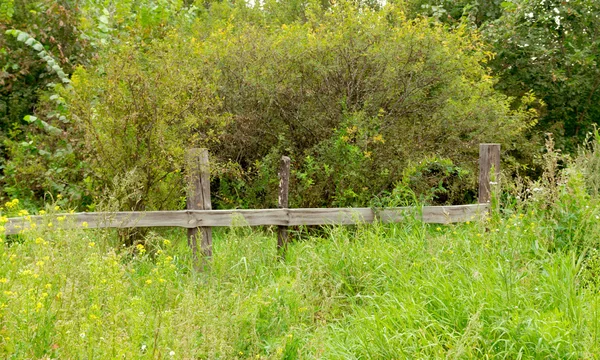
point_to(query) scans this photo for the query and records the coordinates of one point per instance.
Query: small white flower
(82, 335)
(529, 15)
(144, 347)
(172, 353)
(556, 10)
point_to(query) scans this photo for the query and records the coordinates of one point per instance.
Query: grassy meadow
(499, 288)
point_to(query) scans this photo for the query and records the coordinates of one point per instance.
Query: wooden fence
(199, 218)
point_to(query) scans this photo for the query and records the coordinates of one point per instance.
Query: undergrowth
(521, 283)
(493, 289)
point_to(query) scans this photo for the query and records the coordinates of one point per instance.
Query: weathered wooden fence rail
(199, 218)
(192, 219)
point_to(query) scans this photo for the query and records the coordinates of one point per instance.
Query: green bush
(352, 95)
(139, 113)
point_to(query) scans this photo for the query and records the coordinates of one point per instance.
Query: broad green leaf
(30, 118)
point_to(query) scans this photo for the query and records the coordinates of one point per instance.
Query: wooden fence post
(284, 182)
(198, 198)
(489, 156)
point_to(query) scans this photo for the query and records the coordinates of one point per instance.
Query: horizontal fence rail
(199, 218)
(282, 217)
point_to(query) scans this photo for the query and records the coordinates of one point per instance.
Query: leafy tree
(552, 47)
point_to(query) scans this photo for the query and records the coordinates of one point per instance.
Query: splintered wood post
(198, 198)
(284, 182)
(489, 157)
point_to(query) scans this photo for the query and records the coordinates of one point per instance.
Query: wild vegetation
(522, 283)
(377, 104)
(364, 97)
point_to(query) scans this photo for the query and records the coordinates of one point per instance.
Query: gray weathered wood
(489, 156)
(198, 198)
(284, 182)
(283, 217)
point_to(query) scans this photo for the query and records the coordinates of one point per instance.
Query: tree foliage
(552, 47)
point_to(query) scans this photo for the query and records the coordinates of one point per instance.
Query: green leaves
(7, 10)
(43, 125)
(552, 48)
(36, 45)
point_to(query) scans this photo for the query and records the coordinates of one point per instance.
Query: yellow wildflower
(378, 139)
(39, 240)
(56, 208)
(148, 281)
(166, 242)
(42, 212)
(84, 224)
(50, 225)
(92, 244)
(141, 248)
(3, 280)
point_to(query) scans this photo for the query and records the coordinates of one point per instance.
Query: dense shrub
(351, 95)
(139, 113)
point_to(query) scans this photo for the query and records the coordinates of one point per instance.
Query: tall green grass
(523, 283)
(494, 289)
